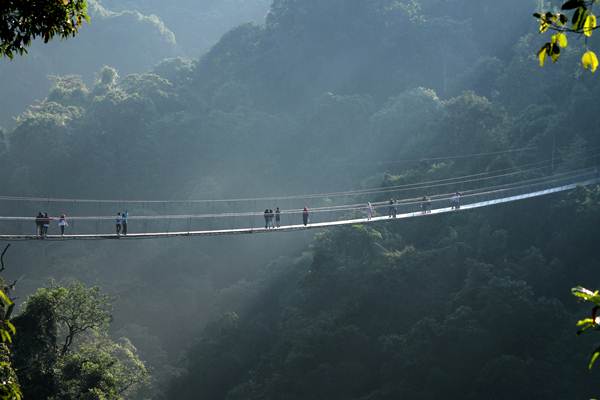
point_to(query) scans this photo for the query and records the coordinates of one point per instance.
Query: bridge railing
(325, 212)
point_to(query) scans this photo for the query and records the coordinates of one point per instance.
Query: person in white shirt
(62, 224)
(456, 201)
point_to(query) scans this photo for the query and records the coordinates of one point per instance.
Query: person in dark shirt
(125, 217)
(392, 209)
(119, 223)
(45, 224)
(39, 225)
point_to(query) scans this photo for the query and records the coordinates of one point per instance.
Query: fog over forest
(199, 103)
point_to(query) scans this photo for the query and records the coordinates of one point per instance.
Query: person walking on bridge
(426, 205)
(125, 217)
(370, 211)
(278, 217)
(62, 224)
(266, 218)
(119, 223)
(305, 216)
(45, 225)
(38, 225)
(392, 211)
(456, 201)
(271, 217)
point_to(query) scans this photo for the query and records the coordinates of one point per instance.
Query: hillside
(327, 95)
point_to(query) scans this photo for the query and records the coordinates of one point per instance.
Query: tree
(35, 351)
(102, 369)
(583, 22)
(21, 21)
(77, 309)
(64, 351)
(9, 385)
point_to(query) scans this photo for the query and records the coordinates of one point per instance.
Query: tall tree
(64, 351)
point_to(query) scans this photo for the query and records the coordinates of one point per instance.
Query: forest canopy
(325, 95)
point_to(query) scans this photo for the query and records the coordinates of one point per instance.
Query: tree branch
(2, 257)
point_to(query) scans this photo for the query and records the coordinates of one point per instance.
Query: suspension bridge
(153, 219)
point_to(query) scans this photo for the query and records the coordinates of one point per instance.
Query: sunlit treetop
(21, 21)
(576, 17)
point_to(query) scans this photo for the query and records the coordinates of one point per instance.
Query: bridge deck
(289, 228)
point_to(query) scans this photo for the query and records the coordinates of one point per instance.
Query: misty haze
(299, 200)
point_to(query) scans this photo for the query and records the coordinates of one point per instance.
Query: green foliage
(375, 314)
(64, 351)
(78, 310)
(35, 348)
(297, 105)
(9, 386)
(586, 295)
(23, 21)
(100, 368)
(589, 323)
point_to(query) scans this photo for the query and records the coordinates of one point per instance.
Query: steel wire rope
(163, 235)
(416, 185)
(355, 206)
(453, 157)
(303, 196)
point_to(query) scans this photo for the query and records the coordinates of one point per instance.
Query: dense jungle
(224, 99)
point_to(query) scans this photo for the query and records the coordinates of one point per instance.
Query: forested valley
(217, 100)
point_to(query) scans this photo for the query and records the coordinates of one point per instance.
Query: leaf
(579, 18)
(563, 19)
(594, 357)
(571, 4)
(542, 54)
(586, 294)
(554, 52)
(561, 40)
(5, 336)
(11, 327)
(585, 321)
(589, 25)
(589, 60)
(537, 15)
(585, 324)
(4, 299)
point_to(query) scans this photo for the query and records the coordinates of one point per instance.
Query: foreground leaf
(589, 25)
(594, 357)
(589, 60)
